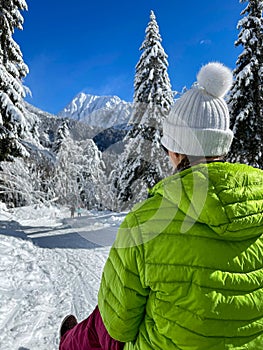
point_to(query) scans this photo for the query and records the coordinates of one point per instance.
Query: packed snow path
(47, 272)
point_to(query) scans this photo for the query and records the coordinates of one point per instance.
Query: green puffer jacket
(186, 269)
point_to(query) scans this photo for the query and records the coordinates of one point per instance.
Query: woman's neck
(187, 162)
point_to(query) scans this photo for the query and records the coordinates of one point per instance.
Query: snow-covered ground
(50, 266)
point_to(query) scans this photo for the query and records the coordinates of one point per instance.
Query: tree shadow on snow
(42, 229)
(12, 228)
(75, 234)
(85, 239)
(69, 240)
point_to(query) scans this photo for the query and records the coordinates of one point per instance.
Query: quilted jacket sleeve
(123, 295)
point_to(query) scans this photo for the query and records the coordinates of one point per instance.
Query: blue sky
(93, 46)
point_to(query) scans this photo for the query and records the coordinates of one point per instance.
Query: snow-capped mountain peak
(99, 111)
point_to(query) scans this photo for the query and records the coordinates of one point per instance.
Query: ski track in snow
(40, 285)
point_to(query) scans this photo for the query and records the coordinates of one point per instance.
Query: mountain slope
(46, 124)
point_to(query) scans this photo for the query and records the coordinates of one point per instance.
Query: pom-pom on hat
(198, 124)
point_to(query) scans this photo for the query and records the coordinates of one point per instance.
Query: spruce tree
(12, 91)
(152, 86)
(143, 162)
(246, 95)
(61, 134)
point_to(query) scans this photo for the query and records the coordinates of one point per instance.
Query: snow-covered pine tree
(12, 91)
(143, 163)
(246, 95)
(151, 84)
(61, 134)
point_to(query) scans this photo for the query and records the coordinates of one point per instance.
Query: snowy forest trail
(48, 271)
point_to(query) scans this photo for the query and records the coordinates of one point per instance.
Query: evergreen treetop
(152, 85)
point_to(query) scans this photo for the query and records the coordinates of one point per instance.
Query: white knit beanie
(198, 124)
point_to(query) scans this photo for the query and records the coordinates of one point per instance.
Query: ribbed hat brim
(197, 142)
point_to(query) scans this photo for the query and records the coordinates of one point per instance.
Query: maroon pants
(90, 334)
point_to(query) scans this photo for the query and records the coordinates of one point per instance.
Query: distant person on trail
(79, 211)
(185, 271)
(72, 211)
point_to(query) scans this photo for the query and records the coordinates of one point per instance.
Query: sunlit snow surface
(50, 265)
